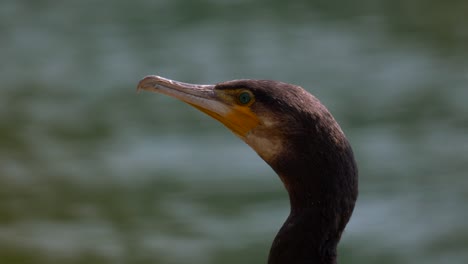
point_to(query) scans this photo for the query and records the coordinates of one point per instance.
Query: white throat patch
(268, 145)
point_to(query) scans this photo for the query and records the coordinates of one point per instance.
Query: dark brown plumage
(298, 137)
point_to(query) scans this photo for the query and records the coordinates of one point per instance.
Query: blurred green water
(90, 172)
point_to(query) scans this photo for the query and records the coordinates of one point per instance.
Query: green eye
(245, 98)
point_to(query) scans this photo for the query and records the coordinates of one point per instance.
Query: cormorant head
(262, 113)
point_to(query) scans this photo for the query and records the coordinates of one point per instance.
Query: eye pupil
(244, 98)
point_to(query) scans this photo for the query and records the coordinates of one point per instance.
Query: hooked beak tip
(146, 83)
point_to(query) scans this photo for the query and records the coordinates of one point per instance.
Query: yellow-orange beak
(239, 119)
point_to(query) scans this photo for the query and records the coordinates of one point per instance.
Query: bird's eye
(245, 98)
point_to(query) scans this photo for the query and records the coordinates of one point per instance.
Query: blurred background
(91, 172)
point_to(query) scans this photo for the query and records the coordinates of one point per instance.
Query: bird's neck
(301, 240)
(322, 188)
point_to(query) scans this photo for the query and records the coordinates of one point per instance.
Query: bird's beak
(204, 97)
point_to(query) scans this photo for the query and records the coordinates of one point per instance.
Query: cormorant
(298, 137)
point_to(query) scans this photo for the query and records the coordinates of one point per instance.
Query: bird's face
(232, 107)
(247, 107)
